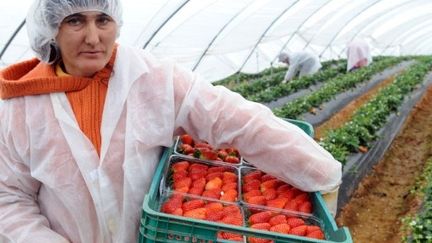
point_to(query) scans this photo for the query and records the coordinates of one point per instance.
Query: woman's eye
(74, 21)
(103, 20)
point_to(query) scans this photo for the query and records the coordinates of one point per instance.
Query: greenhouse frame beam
(346, 24)
(264, 33)
(298, 29)
(12, 37)
(387, 13)
(420, 39)
(421, 46)
(217, 35)
(164, 23)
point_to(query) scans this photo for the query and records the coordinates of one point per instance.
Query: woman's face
(86, 41)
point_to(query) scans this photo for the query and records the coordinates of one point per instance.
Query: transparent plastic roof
(217, 38)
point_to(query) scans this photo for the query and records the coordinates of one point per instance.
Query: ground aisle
(374, 212)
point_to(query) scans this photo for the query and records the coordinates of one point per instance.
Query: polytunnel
(217, 38)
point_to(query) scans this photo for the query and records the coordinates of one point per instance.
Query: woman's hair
(45, 16)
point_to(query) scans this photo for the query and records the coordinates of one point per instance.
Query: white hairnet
(45, 16)
(358, 50)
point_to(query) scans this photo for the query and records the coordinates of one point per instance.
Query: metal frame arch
(164, 23)
(264, 33)
(421, 46)
(298, 28)
(419, 39)
(346, 23)
(217, 35)
(382, 14)
(15, 33)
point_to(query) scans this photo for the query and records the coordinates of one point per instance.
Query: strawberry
(302, 197)
(278, 219)
(197, 213)
(215, 183)
(229, 196)
(235, 219)
(186, 148)
(197, 174)
(249, 194)
(214, 193)
(270, 184)
(281, 228)
(214, 214)
(229, 177)
(208, 154)
(258, 240)
(179, 166)
(261, 226)
(179, 175)
(214, 205)
(318, 234)
(312, 228)
(192, 204)
(305, 207)
(299, 230)
(283, 188)
(251, 185)
(257, 200)
(198, 167)
(232, 159)
(181, 183)
(261, 217)
(253, 175)
(291, 205)
(222, 154)
(213, 175)
(170, 206)
(267, 177)
(196, 191)
(229, 186)
(294, 221)
(186, 139)
(286, 194)
(232, 209)
(216, 169)
(203, 145)
(270, 194)
(199, 183)
(277, 203)
(229, 236)
(232, 151)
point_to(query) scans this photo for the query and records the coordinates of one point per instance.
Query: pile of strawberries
(179, 204)
(200, 179)
(259, 188)
(203, 150)
(284, 224)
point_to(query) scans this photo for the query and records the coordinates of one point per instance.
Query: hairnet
(45, 16)
(283, 57)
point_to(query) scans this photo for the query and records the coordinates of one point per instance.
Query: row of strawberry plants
(241, 78)
(333, 87)
(279, 89)
(361, 130)
(418, 228)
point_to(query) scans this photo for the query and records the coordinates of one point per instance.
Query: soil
(375, 210)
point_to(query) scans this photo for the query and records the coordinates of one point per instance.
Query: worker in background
(358, 55)
(300, 64)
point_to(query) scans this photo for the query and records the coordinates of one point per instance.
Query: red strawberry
(318, 234)
(254, 175)
(196, 191)
(291, 205)
(267, 177)
(198, 167)
(213, 175)
(222, 154)
(283, 188)
(214, 205)
(312, 228)
(229, 177)
(199, 183)
(281, 228)
(305, 207)
(197, 174)
(192, 204)
(186, 148)
(302, 197)
(229, 236)
(184, 182)
(235, 219)
(232, 159)
(215, 183)
(286, 194)
(278, 219)
(214, 193)
(261, 226)
(232, 151)
(229, 186)
(299, 230)
(179, 175)
(216, 169)
(258, 240)
(277, 203)
(170, 206)
(261, 217)
(270, 194)
(251, 185)
(229, 196)
(179, 166)
(186, 139)
(208, 154)
(203, 145)
(231, 210)
(270, 184)
(197, 213)
(249, 194)
(294, 221)
(214, 214)
(257, 200)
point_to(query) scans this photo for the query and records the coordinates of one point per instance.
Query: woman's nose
(92, 34)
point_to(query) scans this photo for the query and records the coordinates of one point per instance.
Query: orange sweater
(86, 95)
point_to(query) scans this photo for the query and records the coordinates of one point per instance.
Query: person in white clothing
(83, 124)
(358, 55)
(299, 64)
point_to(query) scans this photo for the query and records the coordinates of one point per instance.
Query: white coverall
(54, 188)
(358, 51)
(303, 63)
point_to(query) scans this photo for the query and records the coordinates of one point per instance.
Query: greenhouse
(216, 121)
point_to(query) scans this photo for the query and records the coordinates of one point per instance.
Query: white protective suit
(54, 187)
(302, 63)
(358, 52)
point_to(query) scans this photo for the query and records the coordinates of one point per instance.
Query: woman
(83, 125)
(358, 55)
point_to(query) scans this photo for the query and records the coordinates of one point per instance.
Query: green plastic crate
(156, 226)
(305, 126)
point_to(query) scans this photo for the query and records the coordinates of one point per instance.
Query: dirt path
(375, 210)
